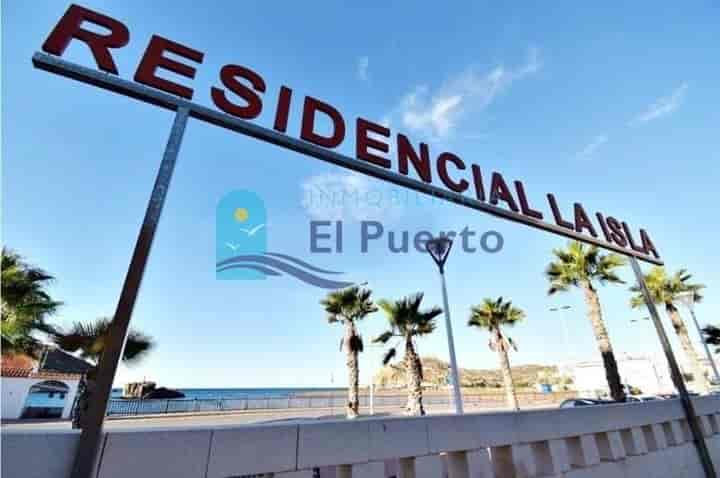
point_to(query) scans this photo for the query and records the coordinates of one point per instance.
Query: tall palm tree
(493, 315)
(407, 322)
(665, 290)
(89, 339)
(348, 306)
(26, 304)
(584, 267)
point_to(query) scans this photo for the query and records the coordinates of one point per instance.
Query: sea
(217, 393)
(57, 400)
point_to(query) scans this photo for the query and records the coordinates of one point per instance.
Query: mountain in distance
(435, 375)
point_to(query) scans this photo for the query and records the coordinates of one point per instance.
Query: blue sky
(612, 106)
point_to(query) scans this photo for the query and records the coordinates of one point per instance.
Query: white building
(44, 388)
(649, 374)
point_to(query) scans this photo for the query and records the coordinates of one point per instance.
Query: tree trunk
(510, 395)
(686, 344)
(79, 402)
(85, 389)
(353, 404)
(413, 369)
(617, 392)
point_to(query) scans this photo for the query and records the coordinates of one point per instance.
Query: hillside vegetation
(435, 375)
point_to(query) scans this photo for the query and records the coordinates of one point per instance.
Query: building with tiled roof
(44, 387)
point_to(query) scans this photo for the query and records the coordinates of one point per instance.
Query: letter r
(70, 26)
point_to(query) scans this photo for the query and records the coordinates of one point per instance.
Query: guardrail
(130, 407)
(643, 439)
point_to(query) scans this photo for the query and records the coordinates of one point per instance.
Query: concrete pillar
(674, 433)
(660, 436)
(715, 423)
(374, 469)
(524, 461)
(502, 461)
(343, 471)
(406, 468)
(479, 464)
(457, 465)
(704, 423)
(610, 446)
(429, 466)
(634, 441)
(560, 456)
(583, 451)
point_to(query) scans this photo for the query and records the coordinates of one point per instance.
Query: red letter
(633, 246)
(307, 130)
(283, 109)
(647, 243)
(616, 232)
(477, 179)
(499, 190)
(445, 177)
(524, 205)
(603, 226)
(363, 142)
(556, 214)
(228, 75)
(154, 58)
(420, 163)
(582, 221)
(69, 27)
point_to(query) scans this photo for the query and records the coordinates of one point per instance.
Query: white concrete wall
(15, 391)
(14, 394)
(632, 440)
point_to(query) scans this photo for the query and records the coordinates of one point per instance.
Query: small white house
(44, 388)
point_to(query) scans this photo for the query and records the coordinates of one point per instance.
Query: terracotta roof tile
(14, 372)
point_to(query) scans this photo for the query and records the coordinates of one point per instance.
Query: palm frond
(389, 355)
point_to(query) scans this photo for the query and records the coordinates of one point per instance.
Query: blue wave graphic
(270, 264)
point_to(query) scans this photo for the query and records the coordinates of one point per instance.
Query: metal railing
(130, 407)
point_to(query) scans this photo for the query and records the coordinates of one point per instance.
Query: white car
(642, 398)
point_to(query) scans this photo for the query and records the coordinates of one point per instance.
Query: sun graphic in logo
(241, 214)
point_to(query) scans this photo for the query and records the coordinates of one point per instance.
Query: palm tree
(585, 266)
(407, 322)
(25, 304)
(665, 290)
(349, 306)
(89, 338)
(492, 315)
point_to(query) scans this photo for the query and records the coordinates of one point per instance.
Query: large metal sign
(463, 183)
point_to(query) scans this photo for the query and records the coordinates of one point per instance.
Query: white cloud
(591, 147)
(663, 106)
(362, 68)
(436, 113)
(347, 197)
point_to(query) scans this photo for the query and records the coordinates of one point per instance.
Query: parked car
(642, 398)
(584, 402)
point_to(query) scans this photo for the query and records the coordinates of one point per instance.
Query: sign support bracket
(91, 435)
(677, 378)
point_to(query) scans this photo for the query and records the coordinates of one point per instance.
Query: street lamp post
(439, 250)
(688, 300)
(564, 309)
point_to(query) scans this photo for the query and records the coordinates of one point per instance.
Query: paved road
(238, 418)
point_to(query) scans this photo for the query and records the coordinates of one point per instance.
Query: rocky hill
(435, 373)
